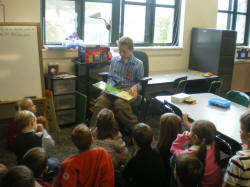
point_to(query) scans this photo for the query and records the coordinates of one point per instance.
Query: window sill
(62, 52)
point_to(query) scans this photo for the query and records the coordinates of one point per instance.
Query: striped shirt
(238, 170)
(125, 74)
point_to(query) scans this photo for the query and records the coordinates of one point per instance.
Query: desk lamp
(107, 24)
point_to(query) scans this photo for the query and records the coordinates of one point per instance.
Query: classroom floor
(64, 146)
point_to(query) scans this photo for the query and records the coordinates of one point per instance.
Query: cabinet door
(241, 77)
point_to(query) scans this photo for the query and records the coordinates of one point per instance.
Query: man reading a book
(124, 73)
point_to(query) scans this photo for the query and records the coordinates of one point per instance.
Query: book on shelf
(113, 91)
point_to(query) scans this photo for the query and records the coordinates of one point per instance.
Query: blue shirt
(125, 74)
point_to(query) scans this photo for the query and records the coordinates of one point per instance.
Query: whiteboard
(20, 62)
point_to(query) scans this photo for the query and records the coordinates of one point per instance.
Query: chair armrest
(145, 79)
(104, 76)
(144, 82)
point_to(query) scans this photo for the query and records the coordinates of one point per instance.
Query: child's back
(25, 141)
(13, 130)
(89, 168)
(202, 137)
(28, 139)
(107, 135)
(238, 170)
(146, 168)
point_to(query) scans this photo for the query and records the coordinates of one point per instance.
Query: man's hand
(133, 91)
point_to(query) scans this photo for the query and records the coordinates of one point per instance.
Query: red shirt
(92, 168)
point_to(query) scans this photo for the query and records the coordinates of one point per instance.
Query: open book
(113, 91)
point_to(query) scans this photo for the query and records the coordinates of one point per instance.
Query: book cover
(113, 91)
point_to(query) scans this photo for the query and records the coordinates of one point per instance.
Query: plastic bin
(61, 86)
(62, 102)
(64, 117)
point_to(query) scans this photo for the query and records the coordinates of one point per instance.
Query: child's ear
(92, 140)
(46, 169)
(133, 141)
(196, 139)
(175, 174)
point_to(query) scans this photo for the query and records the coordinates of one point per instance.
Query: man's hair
(143, 135)
(189, 169)
(23, 118)
(245, 121)
(81, 137)
(126, 41)
(37, 160)
(18, 176)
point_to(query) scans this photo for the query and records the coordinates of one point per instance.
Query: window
(234, 15)
(147, 22)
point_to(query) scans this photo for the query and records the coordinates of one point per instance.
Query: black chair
(139, 107)
(180, 84)
(225, 148)
(214, 87)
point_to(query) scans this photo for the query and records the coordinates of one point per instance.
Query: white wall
(22, 10)
(196, 13)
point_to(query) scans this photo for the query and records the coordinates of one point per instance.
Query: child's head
(245, 128)
(106, 125)
(170, 126)
(20, 176)
(142, 135)
(37, 160)
(126, 47)
(26, 120)
(81, 137)
(203, 133)
(26, 104)
(188, 170)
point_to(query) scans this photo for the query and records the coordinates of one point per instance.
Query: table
(196, 81)
(227, 121)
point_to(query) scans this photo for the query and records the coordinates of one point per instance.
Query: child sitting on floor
(146, 168)
(32, 135)
(107, 135)
(90, 167)
(202, 139)
(19, 176)
(238, 170)
(37, 160)
(188, 170)
(170, 126)
(13, 130)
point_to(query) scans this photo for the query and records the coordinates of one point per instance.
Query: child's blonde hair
(23, 118)
(126, 41)
(23, 104)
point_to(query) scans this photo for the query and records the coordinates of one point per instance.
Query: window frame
(118, 20)
(234, 12)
